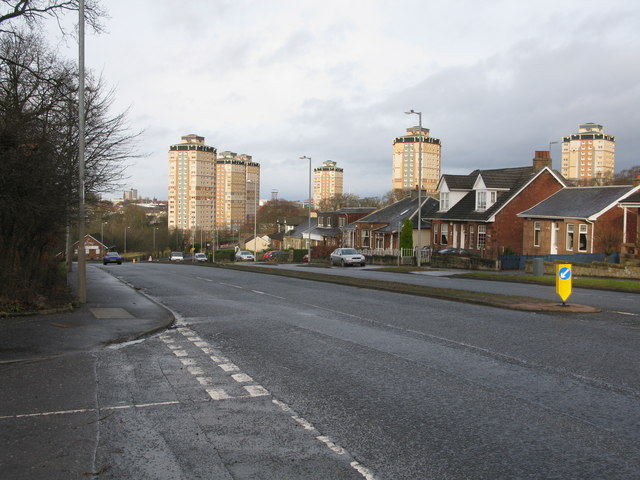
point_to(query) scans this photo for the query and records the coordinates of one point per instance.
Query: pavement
(114, 313)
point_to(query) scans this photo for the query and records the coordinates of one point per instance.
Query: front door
(463, 232)
(554, 238)
(455, 235)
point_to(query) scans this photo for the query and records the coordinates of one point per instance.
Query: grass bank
(614, 284)
(479, 298)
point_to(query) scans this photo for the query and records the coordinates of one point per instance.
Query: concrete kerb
(115, 313)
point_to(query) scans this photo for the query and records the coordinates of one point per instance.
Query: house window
(444, 200)
(481, 200)
(435, 233)
(537, 228)
(494, 197)
(570, 230)
(444, 234)
(482, 236)
(366, 238)
(472, 236)
(342, 221)
(582, 238)
(379, 240)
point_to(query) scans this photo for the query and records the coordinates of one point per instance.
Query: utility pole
(82, 268)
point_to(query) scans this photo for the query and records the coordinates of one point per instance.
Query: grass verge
(614, 284)
(479, 298)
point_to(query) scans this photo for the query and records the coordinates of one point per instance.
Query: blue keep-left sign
(564, 273)
(563, 280)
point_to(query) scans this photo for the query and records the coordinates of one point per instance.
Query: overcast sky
(494, 80)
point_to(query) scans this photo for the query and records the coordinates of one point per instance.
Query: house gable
(486, 216)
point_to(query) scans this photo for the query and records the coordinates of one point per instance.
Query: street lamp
(413, 112)
(82, 272)
(255, 218)
(102, 224)
(125, 240)
(304, 157)
(154, 241)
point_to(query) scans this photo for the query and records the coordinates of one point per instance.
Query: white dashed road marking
(254, 390)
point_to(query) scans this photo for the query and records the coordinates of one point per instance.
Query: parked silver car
(244, 255)
(347, 256)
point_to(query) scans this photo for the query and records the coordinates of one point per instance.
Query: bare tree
(32, 12)
(38, 160)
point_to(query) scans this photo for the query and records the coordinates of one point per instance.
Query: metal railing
(403, 252)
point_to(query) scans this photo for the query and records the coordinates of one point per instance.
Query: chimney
(636, 182)
(542, 159)
(414, 193)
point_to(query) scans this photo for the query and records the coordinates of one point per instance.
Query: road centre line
(268, 294)
(88, 410)
(232, 285)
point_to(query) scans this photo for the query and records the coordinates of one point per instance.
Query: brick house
(479, 211)
(332, 224)
(94, 249)
(379, 231)
(581, 220)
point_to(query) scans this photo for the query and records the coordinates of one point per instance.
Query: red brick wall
(609, 225)
(507, 230)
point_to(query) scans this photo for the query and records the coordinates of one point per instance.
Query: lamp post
(154, 240)
(419, 255)
(255, 219)
(82, 272)
(309, 203)
(102, 224)
(125, 240)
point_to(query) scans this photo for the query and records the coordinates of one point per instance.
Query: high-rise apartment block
(406, 161)
(237, 189)
(327, 182)
(208, 192)
(589, 155)
(191, 184)
(130, 195)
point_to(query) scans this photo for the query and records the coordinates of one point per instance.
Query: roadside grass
(467, 296)
(615, 284)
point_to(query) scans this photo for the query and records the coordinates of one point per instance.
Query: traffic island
(511, 302)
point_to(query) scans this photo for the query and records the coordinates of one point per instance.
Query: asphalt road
(406, 387)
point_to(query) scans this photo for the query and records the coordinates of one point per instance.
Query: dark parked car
(112, 257)
(347, 256)
(276, 255)
(457, 252)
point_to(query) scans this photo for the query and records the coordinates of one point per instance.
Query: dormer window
(481, 200)
(444, 201)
